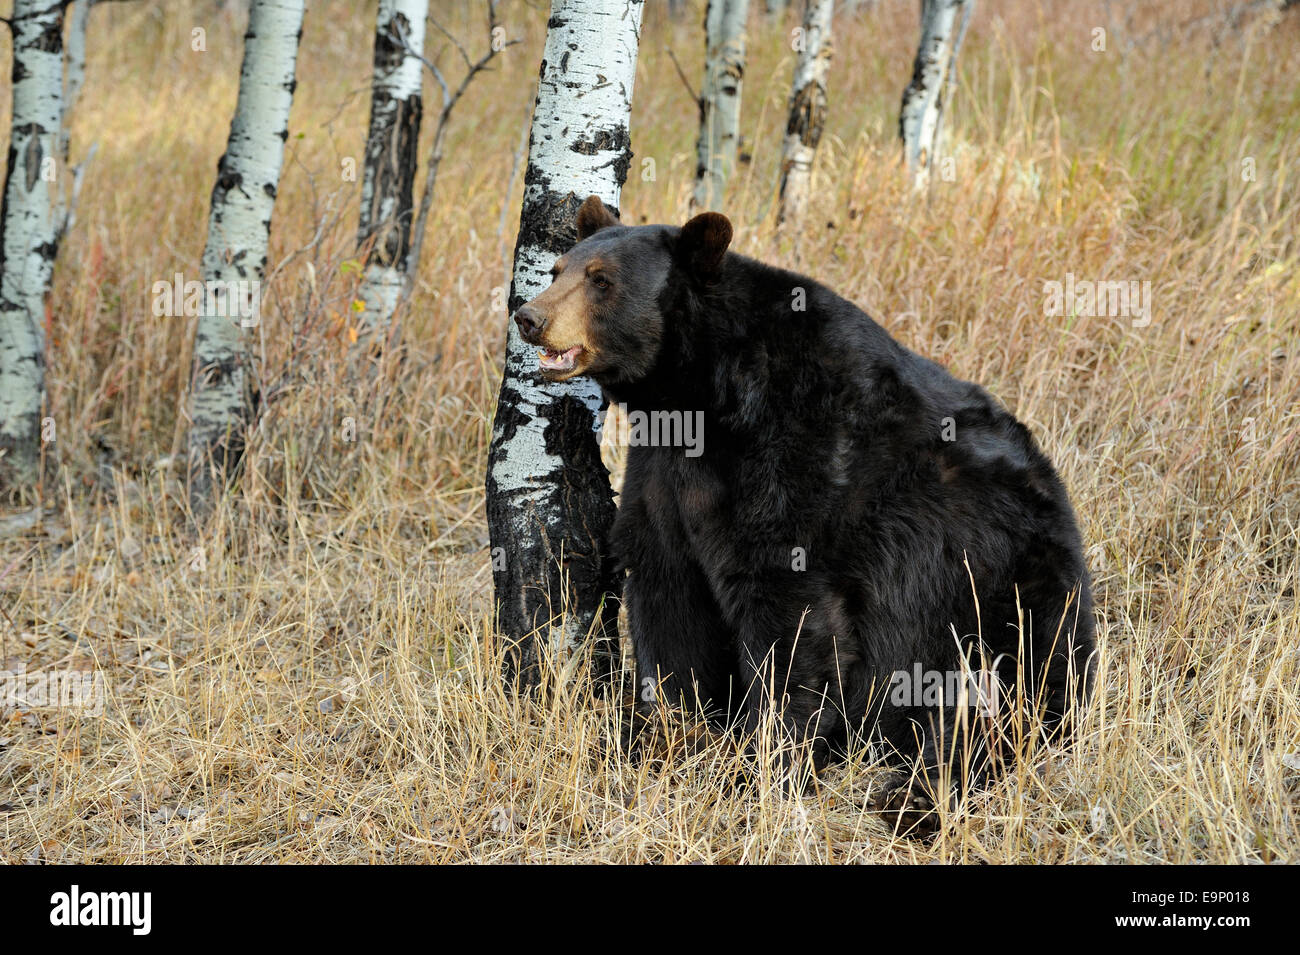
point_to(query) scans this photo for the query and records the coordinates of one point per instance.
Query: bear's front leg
(800, 670)
(682, 647)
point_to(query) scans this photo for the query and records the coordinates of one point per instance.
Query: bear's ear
(703, 243)
(593, 216)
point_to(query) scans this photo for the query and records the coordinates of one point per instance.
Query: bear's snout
(530, 323)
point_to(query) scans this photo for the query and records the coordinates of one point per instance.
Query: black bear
(853, 542)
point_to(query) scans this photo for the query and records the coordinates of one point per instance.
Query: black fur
(823, 433)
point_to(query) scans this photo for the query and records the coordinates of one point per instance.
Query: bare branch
(695, 97)
(449, 101)
(454, 42)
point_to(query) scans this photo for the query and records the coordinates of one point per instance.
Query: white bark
(548, 495)
(724, 70)
(380, 291)
(803, 130)
(74, 77)
(388, 180)
(29, 239)
(75, 72)
(234, 259)
(943, 25)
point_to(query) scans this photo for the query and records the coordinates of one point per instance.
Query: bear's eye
(600, 282)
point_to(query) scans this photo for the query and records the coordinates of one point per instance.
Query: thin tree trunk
(28, 237)
(75, 73)
(496, 44)
(775, 7)
(549, 503)
(803, 130)
(724, 71)
(943, 26)
(234, 260)
(388, 182)
(74, 78)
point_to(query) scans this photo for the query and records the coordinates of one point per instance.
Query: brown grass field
(311, 678)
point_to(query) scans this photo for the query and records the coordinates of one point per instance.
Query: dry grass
(307, 680)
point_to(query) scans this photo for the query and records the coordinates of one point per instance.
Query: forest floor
(312, 676)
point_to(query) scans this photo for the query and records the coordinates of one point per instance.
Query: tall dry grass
(311, 678)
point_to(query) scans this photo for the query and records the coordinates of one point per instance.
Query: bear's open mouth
(552, 360)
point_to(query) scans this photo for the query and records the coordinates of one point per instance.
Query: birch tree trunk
(724, 70)
(75, 73)
(234, 258)
(28, 236)
(74, 77)
(388, 182)
(803, 130)
(549, 503)
(943, 26)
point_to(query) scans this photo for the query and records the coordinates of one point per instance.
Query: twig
(695, 97)
(67, 212)
(456, 43)
(449, 101)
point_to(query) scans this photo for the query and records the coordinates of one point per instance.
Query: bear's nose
(529, 322)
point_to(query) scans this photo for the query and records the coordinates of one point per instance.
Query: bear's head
(603, 312)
